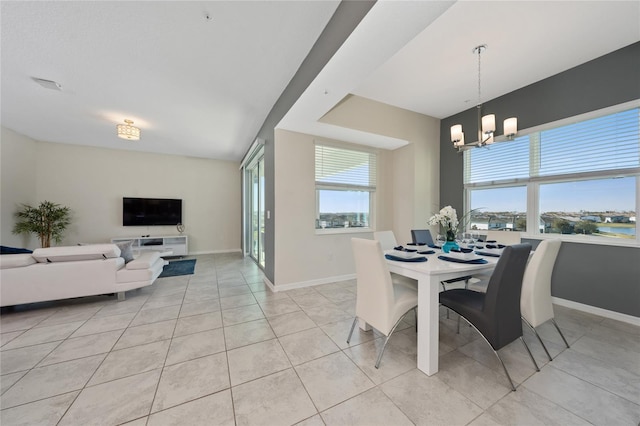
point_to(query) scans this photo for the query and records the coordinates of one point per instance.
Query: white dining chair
(508, 238)
(379, 302)
(536, 307)
(387, 242)
(387, 239)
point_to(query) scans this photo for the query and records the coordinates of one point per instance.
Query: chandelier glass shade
(128, 131)
(486, 123)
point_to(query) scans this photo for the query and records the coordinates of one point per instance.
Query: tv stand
(172, 245)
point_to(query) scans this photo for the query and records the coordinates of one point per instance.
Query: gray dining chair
(496, 313)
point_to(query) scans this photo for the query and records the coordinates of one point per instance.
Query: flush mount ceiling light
(127, 131)
(48, 84)
(486, 124)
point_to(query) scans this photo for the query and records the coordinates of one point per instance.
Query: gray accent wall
(606, 277)
(345, 19)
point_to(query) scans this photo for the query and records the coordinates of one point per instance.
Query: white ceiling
(194, 86)
(203, 88)
(418, 55)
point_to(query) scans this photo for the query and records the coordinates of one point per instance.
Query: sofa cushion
(16, 261)
(125, 250)
(71, 253)
(145, 260)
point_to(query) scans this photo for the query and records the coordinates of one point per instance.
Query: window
(499, 208)
(345, 187)
(578, 179)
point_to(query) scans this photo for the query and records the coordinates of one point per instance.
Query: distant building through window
(345, 187)
(574, 179)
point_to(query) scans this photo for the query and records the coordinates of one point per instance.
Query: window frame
(342, 187)
(533, 183)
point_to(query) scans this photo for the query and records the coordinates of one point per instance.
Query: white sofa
(74, 271)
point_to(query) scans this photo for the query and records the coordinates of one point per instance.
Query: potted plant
(48, 221)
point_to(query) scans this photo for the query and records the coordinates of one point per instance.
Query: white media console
(173, 245)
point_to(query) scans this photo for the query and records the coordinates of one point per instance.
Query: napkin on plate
(410, 250)
(426, 251)
(462, 255)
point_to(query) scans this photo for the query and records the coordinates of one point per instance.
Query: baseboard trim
(311, 283)
(195, 253)
(629, 319)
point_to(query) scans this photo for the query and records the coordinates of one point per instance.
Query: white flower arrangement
(448, 219)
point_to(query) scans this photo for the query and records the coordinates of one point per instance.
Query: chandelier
(127, 131)
(486, 124)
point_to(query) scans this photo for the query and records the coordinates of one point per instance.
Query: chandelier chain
(480, 49)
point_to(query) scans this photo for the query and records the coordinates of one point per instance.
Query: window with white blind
(345, 187)
(580, 178)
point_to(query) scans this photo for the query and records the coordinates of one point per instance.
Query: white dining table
(429, 274)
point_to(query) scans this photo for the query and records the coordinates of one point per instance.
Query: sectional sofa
(74, 271)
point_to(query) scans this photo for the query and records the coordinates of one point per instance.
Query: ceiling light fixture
(127, 131)
(486, 124)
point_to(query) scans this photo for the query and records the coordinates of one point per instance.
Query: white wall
(92, 181)
(17, 184)
(301, 256)
(406, 195)
(416, 166)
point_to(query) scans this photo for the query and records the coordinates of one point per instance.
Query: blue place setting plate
(435, 246)
(456, 260)
(426, 251)
(405, 259)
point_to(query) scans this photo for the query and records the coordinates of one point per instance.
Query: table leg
(428, 323)
(363, 325)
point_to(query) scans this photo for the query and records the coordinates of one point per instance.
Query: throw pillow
(125, 250)
(13, 250)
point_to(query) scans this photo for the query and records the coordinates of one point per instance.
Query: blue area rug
(178, 267)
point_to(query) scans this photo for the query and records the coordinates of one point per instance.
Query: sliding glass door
(254, 208)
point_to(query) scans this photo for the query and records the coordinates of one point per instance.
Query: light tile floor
(219, 348)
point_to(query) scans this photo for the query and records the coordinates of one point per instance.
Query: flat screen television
(151, 211)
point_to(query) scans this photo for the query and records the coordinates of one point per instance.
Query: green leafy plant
(48, 221)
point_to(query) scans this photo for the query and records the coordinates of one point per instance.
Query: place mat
(473, 261)
(405, 259)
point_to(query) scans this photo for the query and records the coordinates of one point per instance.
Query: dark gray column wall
(345, 19)
(607, 277)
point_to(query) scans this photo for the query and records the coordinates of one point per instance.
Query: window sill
(333, 231)
(600, 241)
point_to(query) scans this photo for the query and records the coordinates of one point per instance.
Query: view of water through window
(598, 198)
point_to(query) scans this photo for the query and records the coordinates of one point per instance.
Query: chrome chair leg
(539, 338)
(445, 289)
(535, 364)
(386, 340)
(553, 320)
(504, 367)
(352, 327)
